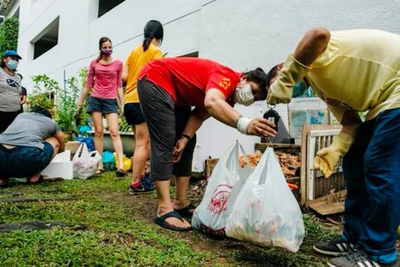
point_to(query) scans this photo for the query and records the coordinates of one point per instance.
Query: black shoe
(147, 183)
(135, 190)
(334, 247)
(359, 259)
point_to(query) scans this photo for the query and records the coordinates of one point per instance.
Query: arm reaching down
(61, 140)
(218, 108)
(328, 157)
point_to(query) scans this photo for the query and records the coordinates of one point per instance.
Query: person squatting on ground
(145, 52)
(167, 89)
(355, 70)
(105, 80)
(28, 145)
(10, 89)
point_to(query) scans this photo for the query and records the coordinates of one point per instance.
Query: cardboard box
(60, 166)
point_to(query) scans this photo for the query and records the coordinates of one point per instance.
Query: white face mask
(244, 95)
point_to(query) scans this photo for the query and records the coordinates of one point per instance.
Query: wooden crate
(286, 148)
(321, 186)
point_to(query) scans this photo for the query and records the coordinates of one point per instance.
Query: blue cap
(11, 53)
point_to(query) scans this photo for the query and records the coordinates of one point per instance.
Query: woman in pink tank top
(104, 79)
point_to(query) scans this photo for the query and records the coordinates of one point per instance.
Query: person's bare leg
(181, 187)
(113, 127)
(165, 204)
(56, 145)
(142, 151)
(98, 135)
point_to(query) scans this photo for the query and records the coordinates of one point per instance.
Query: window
(47, 39)
(107, 5)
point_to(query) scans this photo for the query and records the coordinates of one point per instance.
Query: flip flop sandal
(99, 171)
(38, 181)
(185, 212)
(161, 221)
(120, 173)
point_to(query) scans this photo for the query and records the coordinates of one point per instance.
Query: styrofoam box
(60, 166)
(308, 110)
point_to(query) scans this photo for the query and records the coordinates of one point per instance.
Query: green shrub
(9, 34)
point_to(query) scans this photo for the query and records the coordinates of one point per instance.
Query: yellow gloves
(328, 157)
(291, 73)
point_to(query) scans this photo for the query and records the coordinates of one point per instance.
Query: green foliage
(82, 74)
(61, 101)
(66, 105)
(44, 90)
(9, 34)
(124, 126)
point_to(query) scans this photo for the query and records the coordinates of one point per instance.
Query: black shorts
(133, 114)
(6, 118)
(184, 166)
(165, 123)
(102, 105)
(24, 161)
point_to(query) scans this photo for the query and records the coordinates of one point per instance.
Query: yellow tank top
(136, 60)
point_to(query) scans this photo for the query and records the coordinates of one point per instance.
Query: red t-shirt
(188, 79)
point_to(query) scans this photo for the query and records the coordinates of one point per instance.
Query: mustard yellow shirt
(360, 69)
(136, 60)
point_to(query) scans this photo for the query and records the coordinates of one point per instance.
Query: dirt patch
(38, 225)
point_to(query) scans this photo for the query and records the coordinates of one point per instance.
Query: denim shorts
(102, 105)
(133, 114)
(24, 161)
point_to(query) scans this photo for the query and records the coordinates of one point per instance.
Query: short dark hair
(271, 74)
(41, 110)
(259, 77)
(153, 29)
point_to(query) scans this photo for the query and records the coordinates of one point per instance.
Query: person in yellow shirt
(352, 71)
(142, 54)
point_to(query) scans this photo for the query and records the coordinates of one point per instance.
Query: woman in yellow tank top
(142, 54)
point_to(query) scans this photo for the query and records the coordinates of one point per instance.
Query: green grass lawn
(108, 227)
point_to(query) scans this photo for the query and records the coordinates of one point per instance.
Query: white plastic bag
(265, 212)
(225, 182)
(85, 162)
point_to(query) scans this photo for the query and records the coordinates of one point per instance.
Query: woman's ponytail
(153, 29)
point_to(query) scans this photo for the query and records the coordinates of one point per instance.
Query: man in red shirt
(167, 89)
